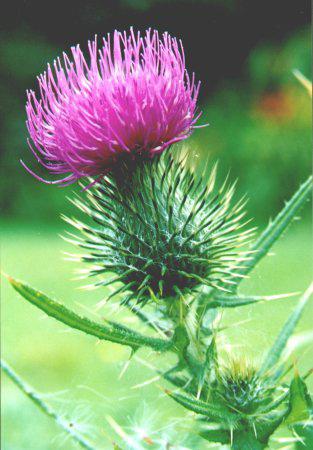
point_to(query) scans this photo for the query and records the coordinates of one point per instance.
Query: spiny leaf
(181, 342)
(269, 425)
(275, 352)
(300, 402)
(200, 407)
(110, 332)
(246, 441)
(232, 301)
(274, 230)
(272, 406)
(304, 432)
(211, 355)
(215, 434)
(66, 425)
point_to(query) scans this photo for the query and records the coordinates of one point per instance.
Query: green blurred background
(244, 52)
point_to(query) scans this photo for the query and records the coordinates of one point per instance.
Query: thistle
(245, 409)
(133, 96)
(239, 387)
(241, 405)
(163, 231)
(247, 398)
(169, 237)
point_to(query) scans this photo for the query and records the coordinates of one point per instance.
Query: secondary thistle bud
(240, 406)
(162, 231)
(241, 388)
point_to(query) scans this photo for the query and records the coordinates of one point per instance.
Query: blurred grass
(53, 359)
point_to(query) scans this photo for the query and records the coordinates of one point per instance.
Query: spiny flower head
(241, 403)
(241, 388)
(133, 97)
(162, 231)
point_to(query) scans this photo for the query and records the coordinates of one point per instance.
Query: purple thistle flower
(132, 97)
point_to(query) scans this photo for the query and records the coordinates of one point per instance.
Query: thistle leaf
(300, 402)
(111, 331)
(304, 433)
(215, 434)
(269, 425)
(247, 441)
(275, 352)
(232, 301)
(62, 422)
(211, 410)
(274, 230)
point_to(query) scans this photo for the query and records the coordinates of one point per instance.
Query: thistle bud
(243, 405)
(240, 387)
(162, 230)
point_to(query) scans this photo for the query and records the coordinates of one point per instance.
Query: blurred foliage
(244, 53)
(260, 128)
